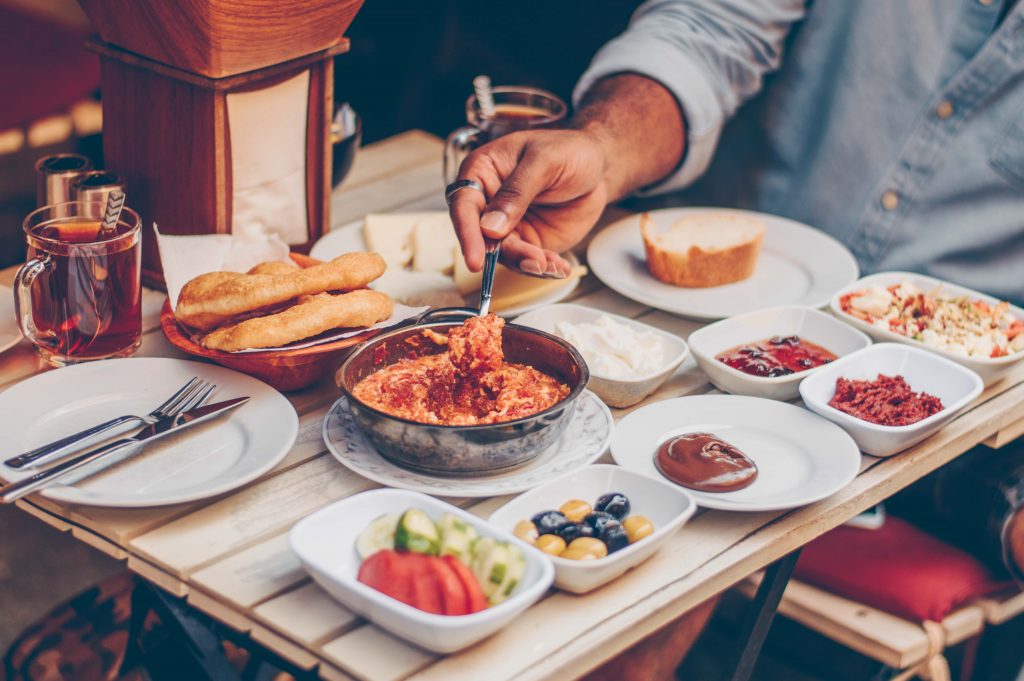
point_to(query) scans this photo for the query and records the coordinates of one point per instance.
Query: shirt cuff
(677, 72)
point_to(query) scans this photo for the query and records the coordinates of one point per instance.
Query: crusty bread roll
(704, 249)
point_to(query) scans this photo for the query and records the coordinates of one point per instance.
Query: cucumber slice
(457, 537)
(378, 535)
(513, 575)
(490, 565)
(417, 532)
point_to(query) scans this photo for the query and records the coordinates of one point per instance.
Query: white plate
(990, 369)
(201, 462)
(325, 543)
(584, 440)
(798, 265)
(810, 325)
(666, 505)
(10, 335)
(801, 457)
(955, 385)
(348, 238)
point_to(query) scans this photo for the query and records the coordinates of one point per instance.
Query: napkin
(185, 257)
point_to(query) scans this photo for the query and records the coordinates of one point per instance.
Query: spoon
(491, 252)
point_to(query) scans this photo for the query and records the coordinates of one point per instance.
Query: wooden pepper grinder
(218, 112)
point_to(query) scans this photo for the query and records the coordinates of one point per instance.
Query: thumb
(506, 208)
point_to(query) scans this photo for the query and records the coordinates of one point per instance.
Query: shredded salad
(956, 324)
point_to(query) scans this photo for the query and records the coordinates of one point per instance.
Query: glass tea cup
(79, 295)
(516, 108)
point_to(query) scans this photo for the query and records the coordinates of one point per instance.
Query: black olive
(598, 519)
(615, 537)
(549, 522)
(575, 531)
(614, 503)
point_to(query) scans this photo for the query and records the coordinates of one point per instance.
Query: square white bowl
(955, 385)
(990, 369)
(615, 392)
(325, 543)
(667, 506)
(789, 320)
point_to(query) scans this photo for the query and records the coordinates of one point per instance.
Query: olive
(575, 509)
(637, 527)
(550, 543)
(572, 531)
(598, 519)
(615, 537)
(585, 548)
(526, 531)
(614, 503)
(548, 522)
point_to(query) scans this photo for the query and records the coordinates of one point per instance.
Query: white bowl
(812, 325)
(666, 505)
(955, 385)
(325, 543)
(990, 369)
(615, 392)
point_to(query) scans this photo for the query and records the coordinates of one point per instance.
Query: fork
(171, 407)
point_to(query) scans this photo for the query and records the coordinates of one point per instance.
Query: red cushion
(44, 68)
(897, 568)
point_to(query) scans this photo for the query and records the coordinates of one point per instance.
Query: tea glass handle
(23, 281)
(457, 148)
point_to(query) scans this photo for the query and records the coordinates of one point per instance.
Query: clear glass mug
(79, 295)
(515, 107)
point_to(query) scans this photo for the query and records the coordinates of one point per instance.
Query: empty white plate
(801, 457)
(201, 462)
(798, 265)
(9, 333)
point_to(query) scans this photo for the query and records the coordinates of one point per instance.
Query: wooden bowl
(283, 369)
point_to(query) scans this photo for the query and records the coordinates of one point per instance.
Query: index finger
(465, 209)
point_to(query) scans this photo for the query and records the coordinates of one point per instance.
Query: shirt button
(890, 200)
(986, 2)
(944, 109)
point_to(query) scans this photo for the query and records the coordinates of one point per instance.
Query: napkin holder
(170, 70)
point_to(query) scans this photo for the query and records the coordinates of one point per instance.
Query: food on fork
(469, 384)
(213, 299)
(311, 316)
(703, 249)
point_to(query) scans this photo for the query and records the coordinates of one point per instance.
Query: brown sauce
(704, 462)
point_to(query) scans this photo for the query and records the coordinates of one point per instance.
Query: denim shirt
(897, 126)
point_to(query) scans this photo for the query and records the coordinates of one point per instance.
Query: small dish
(924, 371)
(666, 505)
(325, 544)
(811, 325)
(615, 392)
(990, 369)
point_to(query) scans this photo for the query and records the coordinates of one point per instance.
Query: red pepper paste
(887, 401)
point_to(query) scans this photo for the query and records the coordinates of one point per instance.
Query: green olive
(637, 527)
(550, 543)
(575, 509)
(526, 531)
(577, 554)
(585, 545)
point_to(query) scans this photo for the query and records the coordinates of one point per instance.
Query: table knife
(155, 431)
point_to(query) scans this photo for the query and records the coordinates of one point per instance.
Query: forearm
(640, 128)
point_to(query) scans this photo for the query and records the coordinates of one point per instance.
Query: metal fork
(174, 405)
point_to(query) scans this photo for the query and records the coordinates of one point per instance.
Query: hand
(546, 189)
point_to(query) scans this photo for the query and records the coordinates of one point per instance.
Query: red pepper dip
(887, 401)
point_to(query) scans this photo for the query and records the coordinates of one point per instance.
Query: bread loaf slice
(703, 249)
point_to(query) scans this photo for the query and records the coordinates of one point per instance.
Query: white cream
(615, 350)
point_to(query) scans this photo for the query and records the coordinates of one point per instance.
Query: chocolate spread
(704, 462)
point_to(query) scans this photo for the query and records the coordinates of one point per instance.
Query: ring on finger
(458, 185)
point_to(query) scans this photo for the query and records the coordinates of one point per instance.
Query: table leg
(762, 612)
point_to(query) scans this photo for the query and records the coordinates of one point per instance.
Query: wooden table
(229, 557)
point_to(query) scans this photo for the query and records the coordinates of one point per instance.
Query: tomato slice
(453, 594)
(425, 587)
(475, 599)
(390, 573)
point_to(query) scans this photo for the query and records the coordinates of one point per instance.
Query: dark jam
(704, 462)
(776, 356)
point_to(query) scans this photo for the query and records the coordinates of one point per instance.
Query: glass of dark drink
(516, 108)
(79, 296)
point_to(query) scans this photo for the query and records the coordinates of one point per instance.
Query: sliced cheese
(433, 242)
(391, 236)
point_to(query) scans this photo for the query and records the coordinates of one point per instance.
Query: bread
(703, 249)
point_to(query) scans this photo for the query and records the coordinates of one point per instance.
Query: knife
(155, 431)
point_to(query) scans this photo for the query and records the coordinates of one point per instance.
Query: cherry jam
(776, 356)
